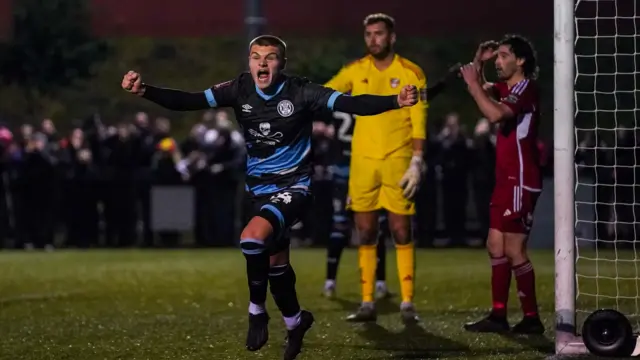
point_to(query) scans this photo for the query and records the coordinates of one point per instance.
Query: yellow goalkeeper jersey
(389, 134)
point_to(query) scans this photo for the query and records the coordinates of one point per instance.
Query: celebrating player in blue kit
(275, 112)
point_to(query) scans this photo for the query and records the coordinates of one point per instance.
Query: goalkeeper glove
(411, 179)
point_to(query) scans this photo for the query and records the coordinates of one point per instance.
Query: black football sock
(334, 252)
(257, 269)
(282, 281)
(381, 251)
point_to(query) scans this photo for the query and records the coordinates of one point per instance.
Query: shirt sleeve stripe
(520, 87)
(210, 98)
(332, 99)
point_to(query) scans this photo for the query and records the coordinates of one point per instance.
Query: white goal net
(607, 157)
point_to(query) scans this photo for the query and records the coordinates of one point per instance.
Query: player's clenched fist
(132, 82)
(408, 96)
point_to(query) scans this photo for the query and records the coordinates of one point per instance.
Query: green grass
(192, 304)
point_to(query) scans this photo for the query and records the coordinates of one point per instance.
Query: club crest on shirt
(285, 108)
(394, 82)
(512, 98)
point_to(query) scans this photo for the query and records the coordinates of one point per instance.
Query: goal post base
(569, 345)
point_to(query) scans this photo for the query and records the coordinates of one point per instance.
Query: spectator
(482, 174)
(454, 160)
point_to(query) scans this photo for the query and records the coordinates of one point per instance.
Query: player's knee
(367, 226)
(495, 250)
(495, 244)
(340, 223)
(258, 228)
(279, 259)
(400, 227)
(367, 235)
(517, 257)
(400, 235)
(515, 248)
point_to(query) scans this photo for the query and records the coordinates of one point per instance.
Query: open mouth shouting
(264, 76)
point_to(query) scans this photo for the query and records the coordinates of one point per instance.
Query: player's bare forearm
(366, 105)
(176, 100)
(418, 147)
(491, 109)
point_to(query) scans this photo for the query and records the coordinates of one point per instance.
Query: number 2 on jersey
(345, 131)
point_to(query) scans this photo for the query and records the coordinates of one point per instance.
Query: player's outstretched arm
(373, 104)
(171, 99)
(440, 85)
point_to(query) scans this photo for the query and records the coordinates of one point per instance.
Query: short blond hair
(389, 22)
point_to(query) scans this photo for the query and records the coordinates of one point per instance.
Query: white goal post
(596, 163)
(564, 185)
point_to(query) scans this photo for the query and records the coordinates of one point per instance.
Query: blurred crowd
(91, 186)
(608, 168)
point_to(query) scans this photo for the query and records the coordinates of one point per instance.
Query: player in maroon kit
(512, 103)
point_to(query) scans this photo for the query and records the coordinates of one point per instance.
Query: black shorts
(282, 210)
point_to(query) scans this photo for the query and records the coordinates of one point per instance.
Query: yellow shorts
(374, 185)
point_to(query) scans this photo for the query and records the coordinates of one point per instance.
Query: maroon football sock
(526, 283)
(500, 281)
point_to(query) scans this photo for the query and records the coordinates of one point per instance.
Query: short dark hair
(388, 21)
(270, 40)
(523, 49)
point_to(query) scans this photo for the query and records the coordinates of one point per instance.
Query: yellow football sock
(367, 260)
(405, 255)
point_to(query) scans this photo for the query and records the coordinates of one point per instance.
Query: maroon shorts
(511, 208)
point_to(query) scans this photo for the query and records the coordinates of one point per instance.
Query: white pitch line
(38, 296)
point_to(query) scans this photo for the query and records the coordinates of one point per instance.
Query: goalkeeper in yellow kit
(386, 159)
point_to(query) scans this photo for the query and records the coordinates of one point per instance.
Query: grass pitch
(192, 304)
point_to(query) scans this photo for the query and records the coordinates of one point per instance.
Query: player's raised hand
(470, 74)
(485, 51)
(408, 96)
(132, 82)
